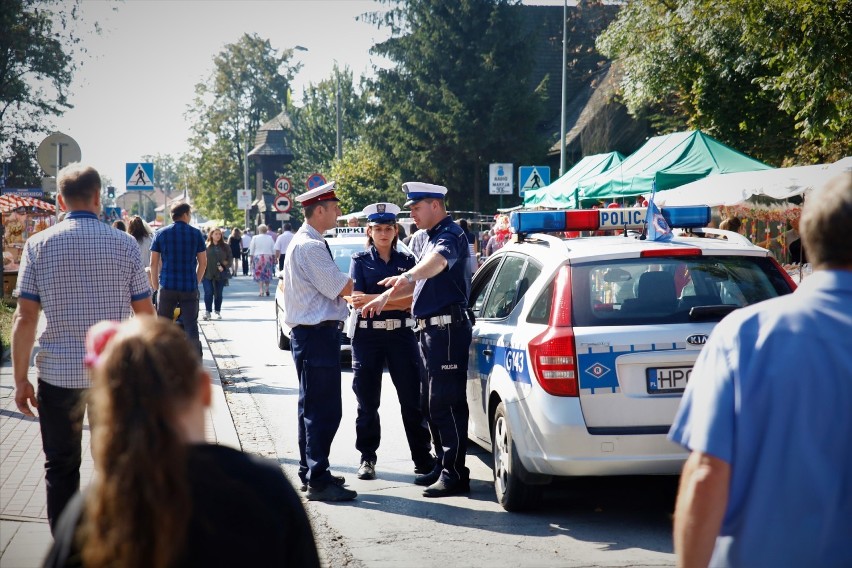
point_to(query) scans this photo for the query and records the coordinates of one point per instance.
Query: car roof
(583, 249)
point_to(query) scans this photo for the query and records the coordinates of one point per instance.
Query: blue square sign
(140, 176)
(532, 177)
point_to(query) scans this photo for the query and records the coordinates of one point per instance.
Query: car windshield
(670, 289)
(342, 251)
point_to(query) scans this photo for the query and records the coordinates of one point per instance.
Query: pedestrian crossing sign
(140, 176)
(533, 177)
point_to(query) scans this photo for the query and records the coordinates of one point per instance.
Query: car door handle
(487, 352)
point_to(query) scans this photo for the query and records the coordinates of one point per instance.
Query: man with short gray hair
(766, 417)
(78, 272)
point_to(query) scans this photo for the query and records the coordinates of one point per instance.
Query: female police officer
(440, 286)
(388, 338)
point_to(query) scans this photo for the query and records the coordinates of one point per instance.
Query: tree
(248, 86)
(315, 124)
(22, 169)
(364, 177)
(38, 49)
(459, 96)
(769, 77)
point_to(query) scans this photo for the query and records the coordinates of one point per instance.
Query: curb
(220, 412)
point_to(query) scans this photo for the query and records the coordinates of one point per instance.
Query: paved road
(587, 522)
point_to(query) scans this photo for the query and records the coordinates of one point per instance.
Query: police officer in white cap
(440, 285)
(385, 339)
(314, 309)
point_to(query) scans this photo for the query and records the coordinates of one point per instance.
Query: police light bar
(684, 217)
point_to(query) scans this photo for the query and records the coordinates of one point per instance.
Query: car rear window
(670, 289)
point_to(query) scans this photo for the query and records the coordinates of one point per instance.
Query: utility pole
(337, 104)
(245, 173)
(564, 87)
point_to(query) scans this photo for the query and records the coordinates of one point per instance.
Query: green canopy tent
(561, 194)
(670, 161)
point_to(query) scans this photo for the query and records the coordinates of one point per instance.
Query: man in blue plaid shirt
(79, 272)
(184, 255)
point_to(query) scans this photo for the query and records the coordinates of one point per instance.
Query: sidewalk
(24, 532)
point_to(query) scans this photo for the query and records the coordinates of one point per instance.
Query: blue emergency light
(683, 217)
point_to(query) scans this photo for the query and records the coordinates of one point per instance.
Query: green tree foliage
(23, 170)
(315, 125)
(171, 174)
(769, 77)
(364, 177)
(38, 49)
(248, 86)
(459, 96)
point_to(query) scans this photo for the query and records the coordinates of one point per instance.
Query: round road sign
(57, 147)
(283, 185)
(282, 203)
(315, 180)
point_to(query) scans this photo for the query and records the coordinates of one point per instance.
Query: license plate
(665, 380)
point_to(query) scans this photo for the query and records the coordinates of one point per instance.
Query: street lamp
(564, 89)
(337, 106)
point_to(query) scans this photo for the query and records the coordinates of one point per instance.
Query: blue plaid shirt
(178, 244)
(81, 271)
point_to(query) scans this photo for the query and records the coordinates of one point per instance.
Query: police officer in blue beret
(440, 286)
(387, 338)
(314, 309)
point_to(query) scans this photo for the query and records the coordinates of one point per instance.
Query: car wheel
(512, 493)
(283, 340)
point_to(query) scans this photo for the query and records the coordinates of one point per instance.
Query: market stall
(22, 218)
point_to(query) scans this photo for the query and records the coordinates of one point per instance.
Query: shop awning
(730, 189)
(10, 202)
(669, 161)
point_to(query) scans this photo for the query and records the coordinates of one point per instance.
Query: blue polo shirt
(452, 285)
(368, 268)
(178, 245)
(771, 395)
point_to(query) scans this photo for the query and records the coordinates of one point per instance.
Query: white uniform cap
(318, 194)
(381, 213)
(417, 190)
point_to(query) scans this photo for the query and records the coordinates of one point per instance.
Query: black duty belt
(326, 323)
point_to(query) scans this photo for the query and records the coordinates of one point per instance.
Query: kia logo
(697, 339)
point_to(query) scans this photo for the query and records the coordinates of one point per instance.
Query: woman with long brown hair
(216, 275)
(161, 496)
(385, 340)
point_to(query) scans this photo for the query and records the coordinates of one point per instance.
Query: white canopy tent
(730, 189)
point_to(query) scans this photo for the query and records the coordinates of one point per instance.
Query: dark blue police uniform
(444, 347)
(373, 345)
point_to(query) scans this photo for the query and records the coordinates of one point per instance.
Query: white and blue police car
(582, 346)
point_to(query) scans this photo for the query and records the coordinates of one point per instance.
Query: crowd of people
(766, 482)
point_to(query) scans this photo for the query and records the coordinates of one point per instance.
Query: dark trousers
(371, 349)
(316, 353)
(60, 412)
(245, 262)
(280, 262)
(213, 290)
(444, 353)
(188, 303)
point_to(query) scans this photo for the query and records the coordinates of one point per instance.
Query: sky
(138, 76)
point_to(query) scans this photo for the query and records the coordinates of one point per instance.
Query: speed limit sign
(282, 204)
(283, 185)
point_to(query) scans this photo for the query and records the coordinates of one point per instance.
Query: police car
(343, 242)
(582, 346)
